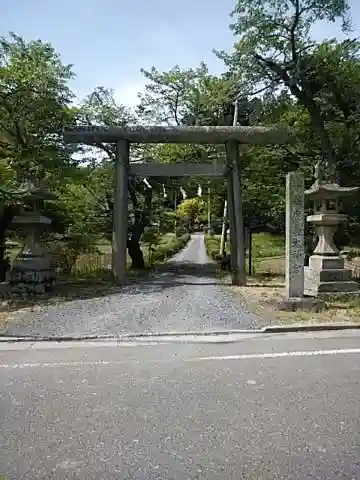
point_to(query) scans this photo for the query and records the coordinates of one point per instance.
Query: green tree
(334, 79)
(34, 107)
(191, 210)
(101, 108)
(191, 97)
(275, 50)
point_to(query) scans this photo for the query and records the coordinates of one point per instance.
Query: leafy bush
(216, 225)
(66, 250)
(180, 231)
(169, 248)
(212, 246)
(151, 238)
(181, 241)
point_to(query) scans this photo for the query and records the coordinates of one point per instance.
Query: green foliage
(268, 252)
(185, 96)
(169, 247)
(34, 106)
(275, 49)
(66, 249)
(274, 36)
(191, 211)
(151, 238)
(212, 246)
(180, 231)
(166, 219)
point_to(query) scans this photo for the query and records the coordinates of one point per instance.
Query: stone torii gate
(230, 136)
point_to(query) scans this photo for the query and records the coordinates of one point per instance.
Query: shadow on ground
(172, 274)
(148, 281)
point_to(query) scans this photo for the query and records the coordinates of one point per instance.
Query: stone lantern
(33, 270)
(326, 272)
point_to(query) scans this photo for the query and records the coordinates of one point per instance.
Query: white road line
(309, 353)
(58, 364)
(245, 356)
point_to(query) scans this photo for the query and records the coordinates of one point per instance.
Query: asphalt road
(264, 407)
(183, 295)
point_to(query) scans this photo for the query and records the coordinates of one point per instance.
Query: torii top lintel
(159, 134)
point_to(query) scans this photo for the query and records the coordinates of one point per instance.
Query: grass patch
(267, 252)
(267, 245)
(269, 266)
(264, 293)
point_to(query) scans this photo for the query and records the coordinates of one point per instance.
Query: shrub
(151, 238)
(66, 250)
(180, 231)
(212, 246)
(169, 247)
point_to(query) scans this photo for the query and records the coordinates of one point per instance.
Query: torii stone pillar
(236, 218)
(120, 220)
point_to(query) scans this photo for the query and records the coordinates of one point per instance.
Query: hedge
(212, 246)
(169, 249)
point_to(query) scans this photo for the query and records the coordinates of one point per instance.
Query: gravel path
(182, 295)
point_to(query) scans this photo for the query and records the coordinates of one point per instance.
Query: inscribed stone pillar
(120, 219)
(295, 248)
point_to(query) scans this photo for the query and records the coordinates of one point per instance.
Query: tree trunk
(140, 222)
(5, 221)
(328, 152)
(318, 126)
(136, 254)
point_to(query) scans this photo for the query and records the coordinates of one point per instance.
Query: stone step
(335, 275)
(338, 287)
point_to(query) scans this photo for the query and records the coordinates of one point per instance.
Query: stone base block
(32, 274)
(310, 304)
(318, 263)
(4, 288)
(338, 287)
(328, 282)
(335, 275)
(30, 281)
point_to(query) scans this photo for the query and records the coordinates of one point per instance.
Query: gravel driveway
(181, 296)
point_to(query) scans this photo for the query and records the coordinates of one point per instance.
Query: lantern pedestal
(326, 273)
(33, 271)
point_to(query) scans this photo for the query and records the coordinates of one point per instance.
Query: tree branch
(17, 133)
(293, 28)
(176, 106)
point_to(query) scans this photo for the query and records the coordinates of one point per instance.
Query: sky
(108, 41)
